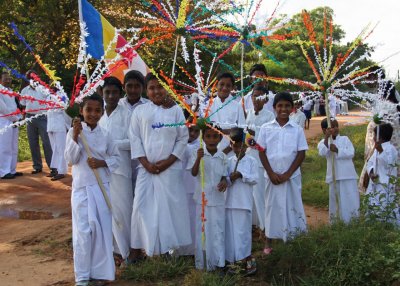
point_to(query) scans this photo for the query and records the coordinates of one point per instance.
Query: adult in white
(37, 126)
(160, 217)
(115, 121)
(58, 123)
(8, 139)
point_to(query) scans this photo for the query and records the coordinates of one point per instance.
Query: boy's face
(335, 128)
(6, 80)
(258, 103)
(297, 105)
(133, 89)
(258, 76)
(156, 92)
(91, 112)
(283, 109)
(111, 95)
(211, 139)
(224, 87)
(239, 148)
(193, 133)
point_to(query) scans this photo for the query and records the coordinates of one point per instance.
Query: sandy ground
(35, 224)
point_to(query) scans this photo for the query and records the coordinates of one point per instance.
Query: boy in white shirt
(256, 117)
(239, 203)
(215, 172)
(160, 217)
(115, 120)
(297, 115)
(189, 183)
(344, 189)
(380, 167)
(228, 116)
(91, 217)
(285, 146)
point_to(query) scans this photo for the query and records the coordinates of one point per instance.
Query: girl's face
(224, 87)
(283, 109)
(91, 112)
(156, 92)
(133, 89)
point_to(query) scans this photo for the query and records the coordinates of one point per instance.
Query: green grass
(313, 170)
(24, 152)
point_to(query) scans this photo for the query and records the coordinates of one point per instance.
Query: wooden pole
(175, 56)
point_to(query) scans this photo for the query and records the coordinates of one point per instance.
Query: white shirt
(116, 126)
(386, 161)
(282, 144)
(344, 167)
(307, 104)
(298, 117)
(240, 193)
(254, 122)
(124, 101)
(8, 105)
(188, 180)
(215, 167)
(33, 105)
(157, 143)
(101, 147)
(58, 120)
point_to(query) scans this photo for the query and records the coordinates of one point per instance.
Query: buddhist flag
(101, 35)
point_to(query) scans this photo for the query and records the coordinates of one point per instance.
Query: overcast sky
(353, 16)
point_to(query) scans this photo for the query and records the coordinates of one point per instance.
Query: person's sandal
(58, 177)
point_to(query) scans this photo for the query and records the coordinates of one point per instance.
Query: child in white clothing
(380, 167)
(215, 172)
(343, 187)
(91, 217)
(297, 115)
(285, 146)
(239, 203)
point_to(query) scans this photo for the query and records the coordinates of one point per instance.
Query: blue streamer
(19, 36)
(14, 72)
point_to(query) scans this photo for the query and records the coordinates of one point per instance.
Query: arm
(137, 149)
(271, 174)
(323, 150)
(196, 165)
(345, 150)
(72, 151)
(250, 175)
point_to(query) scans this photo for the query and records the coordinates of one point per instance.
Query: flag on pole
(100, 34)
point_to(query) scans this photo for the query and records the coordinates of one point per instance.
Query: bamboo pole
(175, 56)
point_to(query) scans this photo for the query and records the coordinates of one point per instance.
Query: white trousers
(160, 217)
(237, 234)
(259, 200)
(57, 142)
(8, 148)
(91, 234)
(284, 211)
(122, 202)
(214, 238)
(189, 249)
(349, 200)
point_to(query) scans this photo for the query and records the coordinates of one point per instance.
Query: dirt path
(35, 223)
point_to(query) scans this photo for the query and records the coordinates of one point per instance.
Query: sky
(353, 16)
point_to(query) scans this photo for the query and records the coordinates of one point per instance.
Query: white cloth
(116, 126)
(229, 116)
(298, 117)
(254, 122)
(122, 202)
(270, 104)
(284, 211)
(214, 237)
(102, 148)
(58, 121)
(332, 106)
(239, 194)
(349, 199)
(344, 167)
(33, 105)
(8, 148)
(237, 234)
(282, 144)
(215, 167)
(248, 101)
(124, 102)
(307, 105)
(8, 106)
(91, 234)
(160, 219)
(57, 142)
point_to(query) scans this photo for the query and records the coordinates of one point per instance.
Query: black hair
(258, 67)
(385, 132)
(284, 95)
(148, 78)
(226, 75)
(261, 88)
(94, 97)
(324, 122)
(134, 74)
(237, 134)
(210, 126)
(111, 80)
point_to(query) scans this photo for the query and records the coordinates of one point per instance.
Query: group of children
(186, 191)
